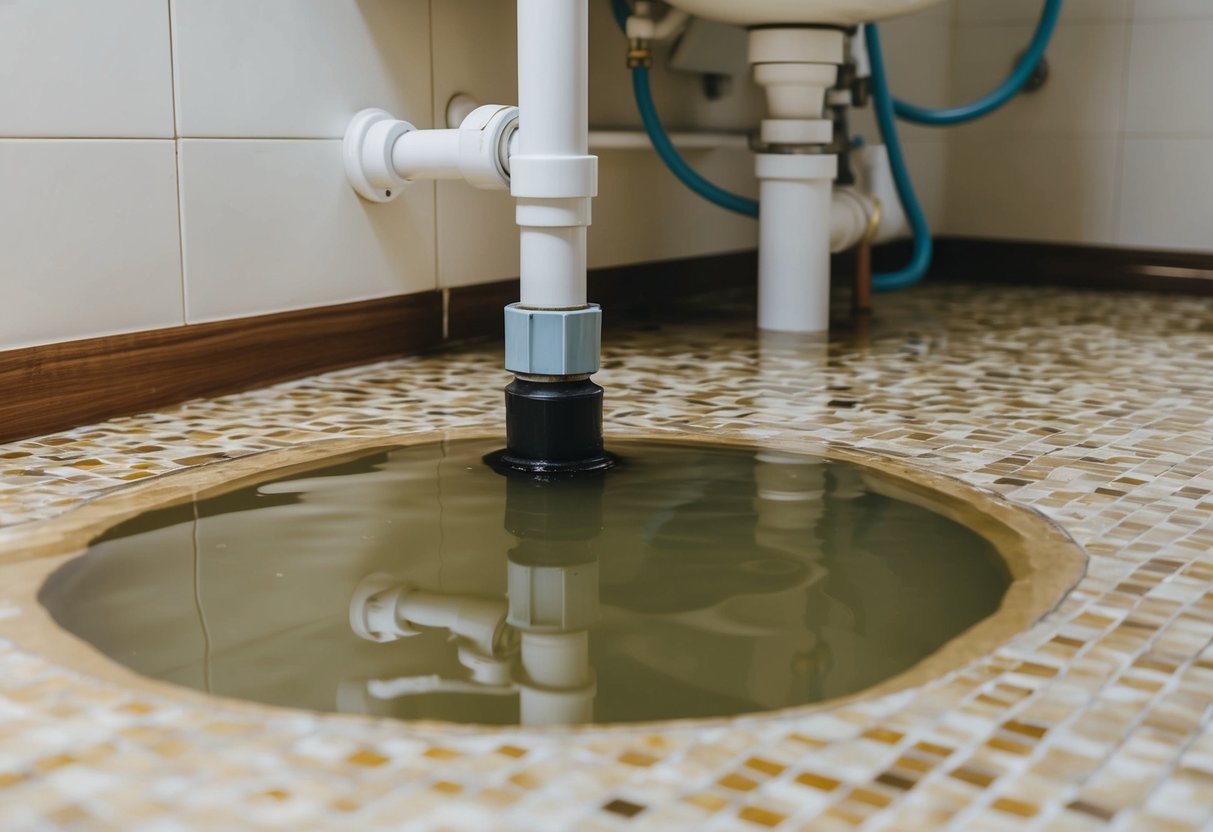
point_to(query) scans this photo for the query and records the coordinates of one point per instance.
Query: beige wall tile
(1166, 200)
(1058, 188)
(643, 213)
(272, 225)
(90, 244)
(1028, 11)
(1163, 9)
(1170, 65)
(73, 68)
(298, 68)
(1084, 90)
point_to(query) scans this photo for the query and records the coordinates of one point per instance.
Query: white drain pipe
(795, 67)
(552, 174)
(794, 242)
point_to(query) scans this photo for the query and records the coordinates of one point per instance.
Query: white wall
(1117, 149)
(918, 60)
(177, 161)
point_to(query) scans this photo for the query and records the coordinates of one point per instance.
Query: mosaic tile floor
(1094, 409)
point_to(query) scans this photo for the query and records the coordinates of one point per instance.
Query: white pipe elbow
(383, 610)
(479, 622)
(876, 178)
(851, 214)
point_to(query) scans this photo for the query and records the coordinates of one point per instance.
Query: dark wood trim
(61, 386)
(978, 260)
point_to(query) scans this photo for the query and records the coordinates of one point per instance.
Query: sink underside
(836, 12)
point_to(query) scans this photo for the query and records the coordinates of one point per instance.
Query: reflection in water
(693, 581)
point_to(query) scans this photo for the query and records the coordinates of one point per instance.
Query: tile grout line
(173, 93)
(1118, 182)
(446, 298)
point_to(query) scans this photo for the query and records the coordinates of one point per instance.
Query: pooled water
(692, 581)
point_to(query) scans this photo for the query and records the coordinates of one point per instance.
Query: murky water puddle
(693, 581)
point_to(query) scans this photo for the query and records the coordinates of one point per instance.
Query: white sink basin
(837, 12)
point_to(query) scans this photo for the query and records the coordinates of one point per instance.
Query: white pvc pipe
(794, 270)
(557, 660)
(553, 175)
(540, 706)
(553, 77)
(427, 154)
(476, 620)
(794, 242)
(552, 259)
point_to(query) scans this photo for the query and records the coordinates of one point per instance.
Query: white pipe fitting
(795, 91)
(851, 216)
(382, 154)
(642, 26)
(796, 45)
(876, 177)
(556, 685)
(552, 175)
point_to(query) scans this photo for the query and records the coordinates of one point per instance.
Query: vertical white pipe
(794, 242)
(553, 103)
(552, 259)
(553, 77)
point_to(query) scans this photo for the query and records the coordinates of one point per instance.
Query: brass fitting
(873, 221)
(639, 55)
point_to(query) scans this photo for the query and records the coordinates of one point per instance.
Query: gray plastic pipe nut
(553, 342)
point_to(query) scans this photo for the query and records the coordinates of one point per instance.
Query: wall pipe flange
(367, 153)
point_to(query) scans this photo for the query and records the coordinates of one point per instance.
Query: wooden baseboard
(976, 260)
(61, 386)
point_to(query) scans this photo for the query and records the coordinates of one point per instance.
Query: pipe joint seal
(553, 342)
(554, 177)
(797, 131)
(484, 142)
(553, 213)
(796, 167)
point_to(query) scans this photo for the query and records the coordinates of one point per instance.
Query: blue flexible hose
(1004, 92)
(643, 90)
(674, 160)
(882, 104)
